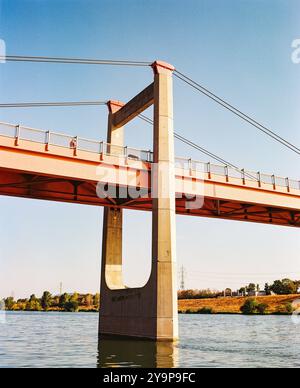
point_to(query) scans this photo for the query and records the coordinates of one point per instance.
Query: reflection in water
(136, 353)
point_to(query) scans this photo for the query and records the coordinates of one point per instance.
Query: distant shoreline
(179, 312)
(273, 305)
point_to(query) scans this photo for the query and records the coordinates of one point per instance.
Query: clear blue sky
(239, 49)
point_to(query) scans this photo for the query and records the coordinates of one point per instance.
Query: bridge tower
(150, 311)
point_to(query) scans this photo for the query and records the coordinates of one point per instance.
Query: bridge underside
(60, 189)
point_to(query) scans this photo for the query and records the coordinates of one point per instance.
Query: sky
(239, 49)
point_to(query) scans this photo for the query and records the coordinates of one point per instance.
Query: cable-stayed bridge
(52, 166)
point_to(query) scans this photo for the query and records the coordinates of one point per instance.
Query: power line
(236, 111)
(201, 149)
(80, 61)
(52, 104)
(280, 273)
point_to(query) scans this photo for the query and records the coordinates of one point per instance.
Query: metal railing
(245, 176)
(49, 138)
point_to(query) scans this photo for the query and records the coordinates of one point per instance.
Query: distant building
(257, 293)
(227, 292)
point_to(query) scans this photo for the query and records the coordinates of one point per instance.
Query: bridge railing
(244, 175)
(58, 139)
(49, 138)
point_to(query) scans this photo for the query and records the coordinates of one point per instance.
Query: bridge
(41, 164)
(47, 165)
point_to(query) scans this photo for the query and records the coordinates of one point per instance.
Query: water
(31, 339)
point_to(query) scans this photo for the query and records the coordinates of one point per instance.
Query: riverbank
(276, 304)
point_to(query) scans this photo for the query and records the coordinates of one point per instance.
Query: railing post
(259, 178)
(209, 170)
(190, 167)
(287, 182)
(273, 182)
(226, 173)
(75, 145)
(126, 154)
(47, 140)
(101, 151)
(243, 176)
(18, 130)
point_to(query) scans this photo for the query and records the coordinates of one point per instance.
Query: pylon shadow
(136, 353)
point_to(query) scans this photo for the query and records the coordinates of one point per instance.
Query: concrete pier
(150, 311)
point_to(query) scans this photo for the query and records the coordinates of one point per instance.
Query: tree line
(278, 287)
(65, 302)
(91, 302)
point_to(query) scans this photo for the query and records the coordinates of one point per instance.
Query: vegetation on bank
(278, 287)
(276, 298)
(189, 301)
(65, 302)
(261, 305)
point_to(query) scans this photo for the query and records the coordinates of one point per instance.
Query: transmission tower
(182, 278)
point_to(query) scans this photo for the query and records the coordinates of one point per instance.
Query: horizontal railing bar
(33, 129)
(88, 140)
(61, 134)
(8, 124)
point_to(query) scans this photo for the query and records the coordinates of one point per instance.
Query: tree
(46, 300)
(9, 303)
(285, 309)
(74, 297)
(284, 287)
(96, 300)
(71, 306)
(249, 307)
(63, 299)
(88, 300)
(251, 288)
(297, 284)
(33, 304)
(267, 289)
(32, 298)
(242, 290)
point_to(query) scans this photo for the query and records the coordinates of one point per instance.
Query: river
(38, 339)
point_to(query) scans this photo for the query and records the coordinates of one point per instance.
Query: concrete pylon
(150, 311)
(111, 273)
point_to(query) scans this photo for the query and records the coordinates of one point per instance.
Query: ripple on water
(29, 339)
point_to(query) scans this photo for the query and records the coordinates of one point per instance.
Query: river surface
(33, 339)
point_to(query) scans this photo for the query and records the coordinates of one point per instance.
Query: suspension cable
(50, 104)
(80, 61)
(201, 149)
(236, 111)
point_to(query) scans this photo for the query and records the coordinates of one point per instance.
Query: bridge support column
(150, 311)
(113, 218)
